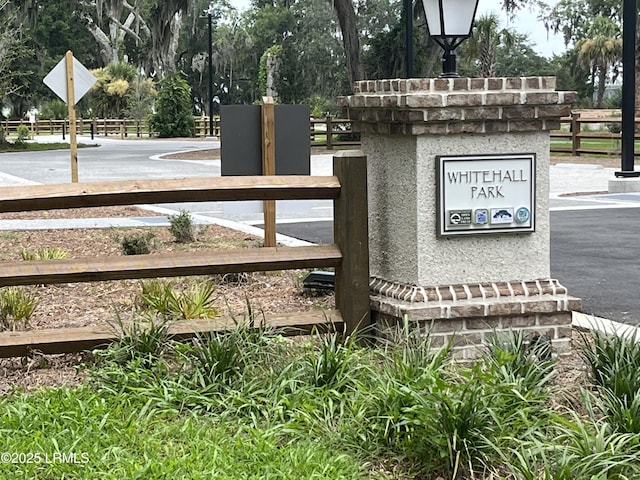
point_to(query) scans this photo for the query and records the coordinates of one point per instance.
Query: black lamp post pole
(628, 89)
(408, 12)
(210, 78)
(449, 68)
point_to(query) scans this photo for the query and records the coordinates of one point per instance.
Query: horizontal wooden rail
(72, 340)
(348, 256)
(177, 264)
(576, 135)
(93, 194)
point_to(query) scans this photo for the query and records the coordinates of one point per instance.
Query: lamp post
(408, 18)
(209, 16)
(449, 23)
(627, 160)
(210, 76)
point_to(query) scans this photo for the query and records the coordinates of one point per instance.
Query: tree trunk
(602, 78)
(349, 27)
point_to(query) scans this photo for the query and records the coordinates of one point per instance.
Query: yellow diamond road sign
(83, 80)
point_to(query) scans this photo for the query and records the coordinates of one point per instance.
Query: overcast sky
(525, 22)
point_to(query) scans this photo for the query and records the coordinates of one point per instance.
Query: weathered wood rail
(328, 132)
(348, 254)
(577, 133)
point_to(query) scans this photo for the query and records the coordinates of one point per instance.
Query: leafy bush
(614, 362)
(216, 358)
(333, 365)
(142, 341)
(614, 127)
(23, 135)
(16, 308)
(121, 91)
(174, 117)
(514, 360)
(182, 228)
(137, 243)
(196, 301)
(54, 110)
(44, 254)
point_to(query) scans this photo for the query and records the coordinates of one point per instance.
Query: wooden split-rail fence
(348, 255)
(325, 132)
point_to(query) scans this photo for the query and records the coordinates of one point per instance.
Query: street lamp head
(211, 9)
(450, 23)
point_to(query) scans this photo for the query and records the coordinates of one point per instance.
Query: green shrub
(23, 134)
(614, 127)
(182, 228)
(54, 110)
(513, 360)
(137, 243)
(16, 308)
(174, 116)
(614, 363)
(141, 343)
(44, 254)
(216, 359)
(195, 301)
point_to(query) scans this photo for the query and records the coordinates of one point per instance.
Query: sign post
(269, 167)
(73, 143)
(70, 80)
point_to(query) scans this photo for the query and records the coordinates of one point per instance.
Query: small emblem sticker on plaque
(460, 217)
(501, 215)
(481, 216)
(523, 215)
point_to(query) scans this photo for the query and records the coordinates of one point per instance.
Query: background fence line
(340, 131)
(585, 132)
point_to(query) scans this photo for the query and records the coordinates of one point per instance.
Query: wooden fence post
(269, 167)
(329, 133)
(575, 133)
(351, 234)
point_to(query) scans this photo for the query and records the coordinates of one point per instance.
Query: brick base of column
(468, 315)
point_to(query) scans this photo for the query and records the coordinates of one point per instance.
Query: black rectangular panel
(293, 145)
(241, 133)
(241, 139)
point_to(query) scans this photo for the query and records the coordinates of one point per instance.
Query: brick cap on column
(440, 106)
(473, 299)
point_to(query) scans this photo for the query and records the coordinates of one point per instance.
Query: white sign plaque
(486, 193)
(83, 80)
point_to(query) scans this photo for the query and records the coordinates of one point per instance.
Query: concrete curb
(603, 325)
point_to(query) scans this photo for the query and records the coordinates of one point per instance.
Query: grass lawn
(253, 405)
(37, 147)
(612, 145)
(124, 437)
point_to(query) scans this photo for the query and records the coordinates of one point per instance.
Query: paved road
(595, 254)
(594, 238)
(112, 160)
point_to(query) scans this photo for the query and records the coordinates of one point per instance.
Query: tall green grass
(249, 403)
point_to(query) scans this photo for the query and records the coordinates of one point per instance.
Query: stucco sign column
(458, 175)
